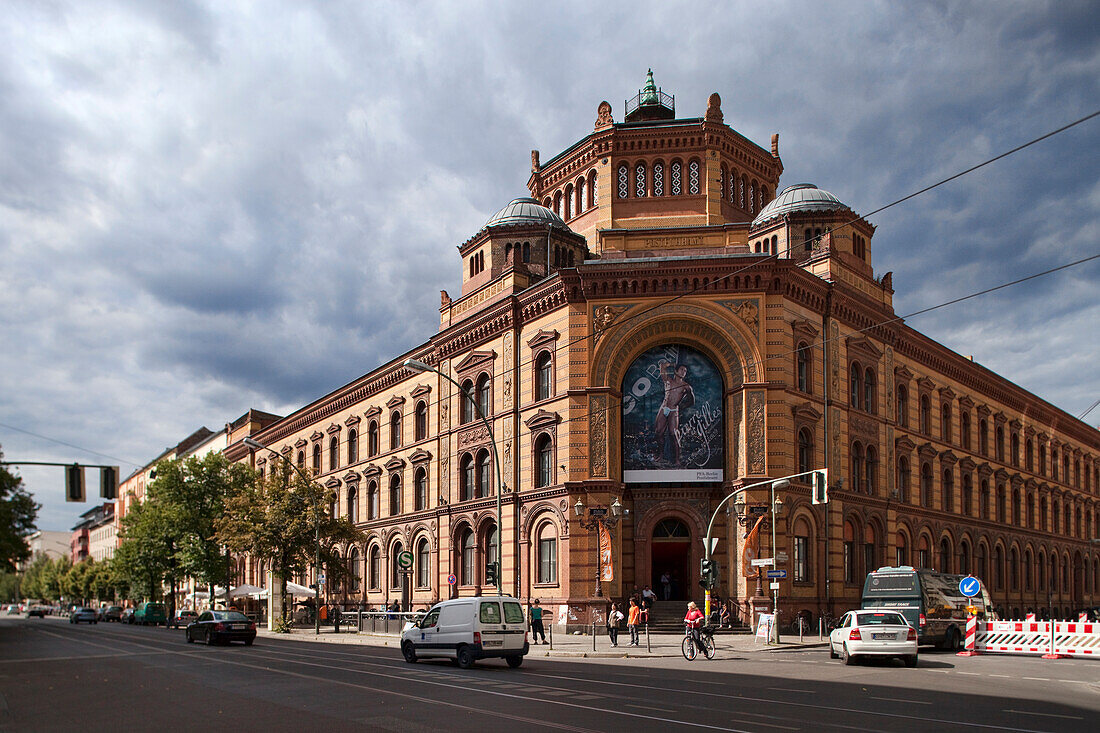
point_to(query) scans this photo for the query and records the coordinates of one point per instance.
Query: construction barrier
(971, 638)
(1051, 639)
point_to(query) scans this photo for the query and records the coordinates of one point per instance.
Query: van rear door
(515, 626)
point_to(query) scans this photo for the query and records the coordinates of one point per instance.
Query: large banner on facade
(607, 568)
(673, 426)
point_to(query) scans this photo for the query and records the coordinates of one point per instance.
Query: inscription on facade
(673, 242)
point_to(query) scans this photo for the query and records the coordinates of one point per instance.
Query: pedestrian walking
(666, 585)
(537, 629)
(335, 619)
(633, 619)
(614, 618)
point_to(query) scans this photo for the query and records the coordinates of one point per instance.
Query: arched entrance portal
(671, 553)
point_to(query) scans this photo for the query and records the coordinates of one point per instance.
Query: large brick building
(652, 329)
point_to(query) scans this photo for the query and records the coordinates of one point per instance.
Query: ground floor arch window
(546, 550)
(423, 563)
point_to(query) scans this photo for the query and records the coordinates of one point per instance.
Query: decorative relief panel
(597, 435)
(891, 405)
(891, 464)
(508, 398)
(757, 463)
(863, 426)
(834, 361)
(738, 454)
(748, 310)
(476, 435)
(604, 315)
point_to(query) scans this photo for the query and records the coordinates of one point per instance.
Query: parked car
(182, 619)
(38, 611)
(468, 629)
(873, 634)
(217, 627)
(150, 612)
(84, 614)
(112, 613)
(127, 616)
(13, 610)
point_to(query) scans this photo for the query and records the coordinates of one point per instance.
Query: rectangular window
(801, 560)
(490, 612)
(548, 560)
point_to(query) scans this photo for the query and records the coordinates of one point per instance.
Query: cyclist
(694, 621)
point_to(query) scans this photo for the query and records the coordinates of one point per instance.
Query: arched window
(1028, 562)
(316, 458)
(395, 429)
(372, 500)
(484, 396)
(658, 179)
(421, 426)
(372, 438)
(484, 474)
(871, 470)
(856, 379)
(967, 494)
(468, 480)
(623, 189)
(925, 415)
(355, 570)
(983, 437)
(964, 429)
(999, 434)
(592, 179)
(468, 409)
(804, 368)
(800, 552)
(903, 406)
(353, 446)
(693, 178)
(805, 450)
(676, 178)
(964, 558)
(639, 180)
(923, 553)
(983, 500)
(945, 422)
(544, 461)
(395, 494)
(948, 490)
(526, 251)
(557, 203)
(901, 551)
(983, 562)
(945, 556)
(869, 402)
(301, 459)
(395, 568)
(1002, 513)
(375, 570)
(926, 485)
(333, 453)
(491, 546)
(1014, 449)
(752, 197)
(998, 568)
(857, 466)
(420, 483)
(467, 560)
(1029, 504)
(1017, 508)
(547, 554)
(544, 376)
(423, 563)
(903, 479)
(580, 196)
(568, 202)
(353, 505)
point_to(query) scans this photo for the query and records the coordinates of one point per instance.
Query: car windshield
(880, 619)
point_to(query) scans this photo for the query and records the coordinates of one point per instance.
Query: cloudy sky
(209, 207)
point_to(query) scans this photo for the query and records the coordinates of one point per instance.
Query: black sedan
(221, 627)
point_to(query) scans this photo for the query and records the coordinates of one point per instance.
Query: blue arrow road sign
(969, 586)
(777, 573)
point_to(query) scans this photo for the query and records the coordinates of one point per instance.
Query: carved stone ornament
(603, 316)
(747, 310)
(756, 447)
(473, 436)
(444, 415)
(603, 118)
(597, 436)
(334, 428)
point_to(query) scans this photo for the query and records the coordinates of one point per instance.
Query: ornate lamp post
(596, 517)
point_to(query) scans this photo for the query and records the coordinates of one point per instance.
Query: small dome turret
(801, 197)
(525, 211)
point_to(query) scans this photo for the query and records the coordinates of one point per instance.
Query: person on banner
(536, 622)
(678, 394)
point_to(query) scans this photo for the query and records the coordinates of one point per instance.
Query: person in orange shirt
(633, 618)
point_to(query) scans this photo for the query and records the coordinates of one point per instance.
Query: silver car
(84, 614)
(874, 634)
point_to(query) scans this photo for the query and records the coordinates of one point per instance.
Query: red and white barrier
(1030, 617)
(1083, 617)
(1051, 639)
(971, 638)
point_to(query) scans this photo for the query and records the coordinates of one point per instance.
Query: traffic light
(708, 574)
(74, 482)
(492, 571)
(820, 491)
(108, 482)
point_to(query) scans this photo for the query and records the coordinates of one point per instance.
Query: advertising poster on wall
(673, 426)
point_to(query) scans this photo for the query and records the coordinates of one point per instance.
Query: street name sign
(763, 562)
(777, 573)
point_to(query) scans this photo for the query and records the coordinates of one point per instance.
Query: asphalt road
(56, 676)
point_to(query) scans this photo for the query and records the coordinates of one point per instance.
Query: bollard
(971, 637)
(820, 628)
(648, 648)
(801, 628)
(551, 627)
(593, 636)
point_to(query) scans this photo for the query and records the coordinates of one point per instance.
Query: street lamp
(256, 445)
(595, 518)
(420, 367)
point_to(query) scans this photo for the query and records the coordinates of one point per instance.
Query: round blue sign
(969, 586)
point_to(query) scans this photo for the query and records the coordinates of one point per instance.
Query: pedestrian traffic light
(108, 482)
(820, 480)
(74, 482)
(492, 572)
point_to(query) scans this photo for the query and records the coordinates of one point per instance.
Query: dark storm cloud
(206, 207)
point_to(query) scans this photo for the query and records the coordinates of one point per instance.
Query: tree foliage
(18, 513)
(150, 537)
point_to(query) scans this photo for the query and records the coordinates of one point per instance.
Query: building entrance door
(671, 553)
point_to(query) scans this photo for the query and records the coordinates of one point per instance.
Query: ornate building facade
(653, 328)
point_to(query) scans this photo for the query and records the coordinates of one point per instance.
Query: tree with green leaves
(10, 584)
(277, 518)
(147, 555)
(18, 513)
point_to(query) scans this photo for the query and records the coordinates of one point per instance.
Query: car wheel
(95, 622)
(465, 657)
(951, 640)
(189, 639)
(409, 652)
(911, 660)
(848, 658)
(248, 642)
(209, 639)
(514, 661)
(832, 652)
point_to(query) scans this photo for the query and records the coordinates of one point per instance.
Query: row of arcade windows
(577, 197)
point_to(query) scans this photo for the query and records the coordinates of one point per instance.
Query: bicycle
(696, 640)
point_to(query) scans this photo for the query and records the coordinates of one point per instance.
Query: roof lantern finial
(650, 103)
(649, 91)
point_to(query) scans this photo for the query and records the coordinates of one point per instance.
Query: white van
(468, 629)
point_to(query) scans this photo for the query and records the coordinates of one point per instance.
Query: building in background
(48, 543)
(652, 329)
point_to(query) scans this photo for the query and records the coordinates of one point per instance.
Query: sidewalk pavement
(574, 645)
